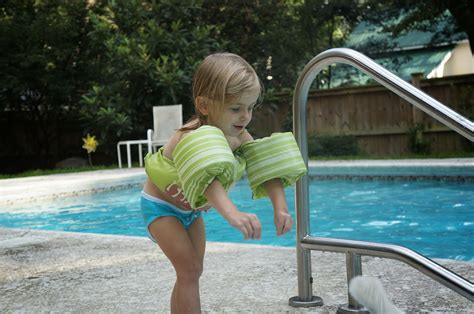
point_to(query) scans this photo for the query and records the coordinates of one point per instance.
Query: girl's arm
(282, 218)
(248, 224)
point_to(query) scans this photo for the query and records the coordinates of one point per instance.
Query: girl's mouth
(238, 127)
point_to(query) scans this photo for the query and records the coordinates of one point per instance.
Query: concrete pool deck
(39, 188)
(46, 271)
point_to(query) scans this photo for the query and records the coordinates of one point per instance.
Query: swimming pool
(433, 217)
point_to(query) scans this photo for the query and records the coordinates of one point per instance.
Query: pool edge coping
(49, 187)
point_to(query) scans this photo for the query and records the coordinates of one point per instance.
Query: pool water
(434, 218)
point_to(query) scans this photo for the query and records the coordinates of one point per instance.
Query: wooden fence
(379, 119)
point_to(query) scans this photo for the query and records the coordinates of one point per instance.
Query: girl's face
(237, 113)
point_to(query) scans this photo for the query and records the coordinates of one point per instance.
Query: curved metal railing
(354, 249)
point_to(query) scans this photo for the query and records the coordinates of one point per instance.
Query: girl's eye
(235, 109)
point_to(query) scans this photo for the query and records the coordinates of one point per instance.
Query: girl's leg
(198, 237)
(176, 243)
(197, 233)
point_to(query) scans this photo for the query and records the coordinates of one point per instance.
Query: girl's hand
(248, 224)
(283, 222)
(282, 219)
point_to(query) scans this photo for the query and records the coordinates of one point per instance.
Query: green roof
(410, 52)
(367, 34)
(403, 64)
(417, 61)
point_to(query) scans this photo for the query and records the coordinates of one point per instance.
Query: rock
(72, 162)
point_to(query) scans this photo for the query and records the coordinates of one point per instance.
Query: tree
(279, 37)
(462, 11)
(44, 62)
(261, 32)
(148, 53)
(424, 15)
(325, 25)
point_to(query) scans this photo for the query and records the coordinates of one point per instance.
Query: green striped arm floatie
(277, 156)
(200, 157)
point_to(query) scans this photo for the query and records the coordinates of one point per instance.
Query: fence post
(417, 114)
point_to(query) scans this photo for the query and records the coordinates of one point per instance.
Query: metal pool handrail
(354, 249)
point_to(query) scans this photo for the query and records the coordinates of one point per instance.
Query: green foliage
(417, 143)
(41, 172)
(324, 25)
(279, 37)
(418, 15)
(325, 145)
(110, 62)
(103, 117)
(44, 61)
(149, 51)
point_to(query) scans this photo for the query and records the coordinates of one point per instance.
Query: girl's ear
(201, 105)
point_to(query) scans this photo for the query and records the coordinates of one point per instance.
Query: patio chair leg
(129, 157)
(140, 154)
(119, 157)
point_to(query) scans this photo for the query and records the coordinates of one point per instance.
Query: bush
(147, 54)
(340, 145)
(416, 142)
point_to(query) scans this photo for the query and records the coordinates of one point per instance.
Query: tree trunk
(462, 11)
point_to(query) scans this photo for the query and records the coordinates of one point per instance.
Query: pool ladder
(355, 249)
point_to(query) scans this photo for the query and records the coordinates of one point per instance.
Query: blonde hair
(220, 78)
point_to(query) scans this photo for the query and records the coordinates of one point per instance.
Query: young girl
(194, 170)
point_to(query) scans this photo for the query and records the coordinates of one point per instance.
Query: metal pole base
(296, 302)
(346, 309)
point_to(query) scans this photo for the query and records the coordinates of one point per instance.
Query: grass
(43, 172)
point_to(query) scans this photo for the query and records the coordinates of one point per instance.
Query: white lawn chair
(166, 120)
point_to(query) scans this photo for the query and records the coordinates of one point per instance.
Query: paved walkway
(44, 271)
